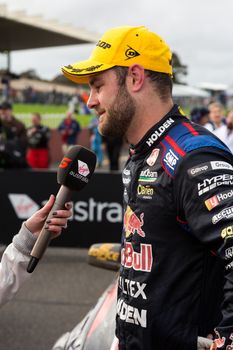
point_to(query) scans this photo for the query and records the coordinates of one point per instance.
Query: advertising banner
(97, 209)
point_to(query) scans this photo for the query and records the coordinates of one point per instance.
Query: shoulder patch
(184, 138)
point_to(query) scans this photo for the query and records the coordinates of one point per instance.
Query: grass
(52, 115)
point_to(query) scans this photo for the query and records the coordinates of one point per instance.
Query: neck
(145, 117)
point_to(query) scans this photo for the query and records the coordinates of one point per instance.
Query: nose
(92, 101)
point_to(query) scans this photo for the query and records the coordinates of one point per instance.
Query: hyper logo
(217, 199)
(213, 182)
(131, 53)
(132, 223)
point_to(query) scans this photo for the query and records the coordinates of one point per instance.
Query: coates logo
(139, 261)
(132, 223)
(65, 163)
(83, 168)
(23, 205)
(153, 157)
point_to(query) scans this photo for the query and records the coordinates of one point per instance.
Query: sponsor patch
(208, 184)
(153, 157)
(204, 167)
(131, 314)
(132, 223)
(148, 176)
(226, 213)
(227, 232)
(229, 253)
(145, 192)
(138, 261)
(171, 159)
(217, 199)
(133, 288)
(159, 132)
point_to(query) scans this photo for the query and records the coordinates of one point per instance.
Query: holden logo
(83, 168)
(23, 205)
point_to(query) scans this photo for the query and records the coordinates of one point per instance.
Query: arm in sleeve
(13, 266)
(204, 198)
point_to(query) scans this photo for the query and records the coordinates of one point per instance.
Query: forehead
(102, 76)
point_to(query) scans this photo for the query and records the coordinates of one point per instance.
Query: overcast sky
(199, 31)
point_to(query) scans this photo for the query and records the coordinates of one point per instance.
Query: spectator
(200, 116)
(69, 130)
(38, 138)
(13, 140)
(225, 132)
(216, 116)
(96, 141)
(113, 149)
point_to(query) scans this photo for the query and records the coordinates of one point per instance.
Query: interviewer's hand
(36, 222)
(204, 343)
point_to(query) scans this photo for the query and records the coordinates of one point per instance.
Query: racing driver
(176, 278)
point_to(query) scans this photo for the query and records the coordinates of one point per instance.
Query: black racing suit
(177, 240)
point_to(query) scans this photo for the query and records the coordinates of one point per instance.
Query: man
(38, 138)
(13, 266)
(177, 199)
(216, 116)
(225, 132)
(13, 139)
(69, 129)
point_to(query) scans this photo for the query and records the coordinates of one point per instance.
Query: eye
(98, 87)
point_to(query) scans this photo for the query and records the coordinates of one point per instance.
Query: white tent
(180, 90)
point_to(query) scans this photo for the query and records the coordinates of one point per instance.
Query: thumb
(48, 206)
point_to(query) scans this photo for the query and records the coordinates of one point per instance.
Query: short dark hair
(162, 81)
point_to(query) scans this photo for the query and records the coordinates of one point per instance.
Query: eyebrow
(93, 80)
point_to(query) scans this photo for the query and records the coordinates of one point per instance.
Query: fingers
(59, 219)
(204, 343)
(48, 206)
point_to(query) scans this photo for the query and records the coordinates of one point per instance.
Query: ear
(136, 77)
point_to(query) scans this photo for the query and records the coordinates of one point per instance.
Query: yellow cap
(123, 46)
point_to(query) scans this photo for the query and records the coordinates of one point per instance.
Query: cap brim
(81, 71)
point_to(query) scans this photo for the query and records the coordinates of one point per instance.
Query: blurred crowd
(22, 147)
(216, 120)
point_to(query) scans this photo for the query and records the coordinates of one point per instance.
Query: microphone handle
(43, 240)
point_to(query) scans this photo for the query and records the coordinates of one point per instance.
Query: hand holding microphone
(74, 173)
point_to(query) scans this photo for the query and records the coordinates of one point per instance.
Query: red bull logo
(133, 224)
(218, 342)
(139, 261)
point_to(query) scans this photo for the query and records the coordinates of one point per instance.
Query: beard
(120, 115)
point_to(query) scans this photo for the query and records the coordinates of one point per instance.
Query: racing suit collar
(157, 132)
